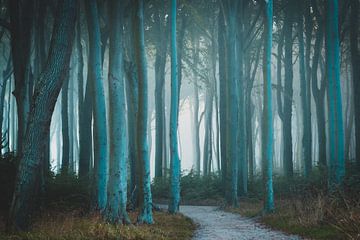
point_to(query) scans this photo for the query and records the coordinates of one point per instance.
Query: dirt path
(217, 224)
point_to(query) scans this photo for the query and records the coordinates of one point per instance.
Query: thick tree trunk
(46, 94)
(117, 186)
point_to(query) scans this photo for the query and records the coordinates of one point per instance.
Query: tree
(160, 62)
(21, 20)
(175, 167)
(231, 8)
(65, 126)
(355, 60)
(99, 108)
(143, 164)
(43, 103)
(117, 186)
(304, 92)
(267, 122)
(285, 102)
(336, 129)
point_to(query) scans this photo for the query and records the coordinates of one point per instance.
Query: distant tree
(355, 60)
(65, 126)
(46, 93)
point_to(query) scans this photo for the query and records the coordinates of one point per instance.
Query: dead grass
(63, 226)
(319, 217)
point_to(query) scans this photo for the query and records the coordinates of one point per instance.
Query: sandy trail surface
(217, 224)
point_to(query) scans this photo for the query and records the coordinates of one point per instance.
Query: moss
(63, 226)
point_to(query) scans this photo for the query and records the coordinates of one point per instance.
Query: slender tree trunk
(21, 20)
(44, 101)
(100, 133)
(267, 122)
(355, 59)
(160, 62)
(336, 129)
(223, 98)
(319, 93)
(195, 56)
(175, 167)
(306, 116)
(288, 92)
(145, 198)
(65, 127)
(231, 191)
(84, 111)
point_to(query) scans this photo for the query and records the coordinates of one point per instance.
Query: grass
(70, 225)
(314, 218)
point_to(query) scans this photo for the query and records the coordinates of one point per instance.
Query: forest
(180, 119)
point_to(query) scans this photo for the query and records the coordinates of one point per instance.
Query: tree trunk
(46, 94)
(160, 62)
(336, 129)
(175, 167)
(355, 60)
(117, 186)
(267, 122)
(143, 164)
(99, 108)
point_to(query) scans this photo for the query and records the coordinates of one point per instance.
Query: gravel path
(220, 225)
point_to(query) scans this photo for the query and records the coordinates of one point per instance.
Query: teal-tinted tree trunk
(306, 116)
(65, 127)
(288, 91)
(336, 129)
(132, 104)
(175, 167)
(145, 198)
(117, 186)
(46, 93)
(160, 62)
(100, 134)
(223, 97)
(355, 59)
(196, 122)
(21, 19)
(231, 190)
(267, 121)
(319, 93)
(84, 111)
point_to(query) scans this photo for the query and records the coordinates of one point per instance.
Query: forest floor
(75, 226)
(217, 224)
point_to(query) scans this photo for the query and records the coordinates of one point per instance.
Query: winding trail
(219, 225)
